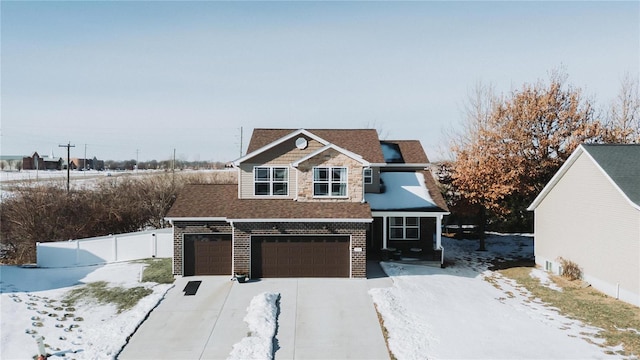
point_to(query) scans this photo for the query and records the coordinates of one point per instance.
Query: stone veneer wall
(335, 159)
(193, 227)
(243, 232)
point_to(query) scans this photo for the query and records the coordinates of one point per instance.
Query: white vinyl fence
(106, 249)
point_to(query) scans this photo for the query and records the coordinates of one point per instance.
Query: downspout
(295, 197)
(239, 176)
(173, 246)
(364, 185)
(233, 251)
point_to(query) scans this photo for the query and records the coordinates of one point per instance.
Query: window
(368, 176)
(271, 181)
(329, 181)
(404, 228)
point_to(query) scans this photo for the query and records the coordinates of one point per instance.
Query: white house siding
(585, 219)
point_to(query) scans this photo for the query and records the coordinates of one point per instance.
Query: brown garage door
(207, 254)
(300, 256)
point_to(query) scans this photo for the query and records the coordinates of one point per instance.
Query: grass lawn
(620, 321)
(157, 270)
(99, 291)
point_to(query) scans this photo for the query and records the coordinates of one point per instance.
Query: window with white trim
(271, 181)
(404, 228)
(330, 181)
(368, 176)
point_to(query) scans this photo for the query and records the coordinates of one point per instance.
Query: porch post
(384, 231)
(438, 232)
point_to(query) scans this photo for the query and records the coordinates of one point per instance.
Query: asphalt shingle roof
(621, 162)
(363, 142)
(411, 150)
(434, 191)
(221, 200)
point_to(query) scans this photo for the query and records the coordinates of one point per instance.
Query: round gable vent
(301, 143)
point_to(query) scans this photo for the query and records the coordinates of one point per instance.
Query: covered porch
(406, 235)
(407, 222)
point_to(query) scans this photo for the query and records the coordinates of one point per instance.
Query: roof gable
(270, 145)
(336, 148)
(364, 142)
(619, 163)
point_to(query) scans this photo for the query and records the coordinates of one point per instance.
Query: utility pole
(68, 146)
(173, 169)
(137, 151)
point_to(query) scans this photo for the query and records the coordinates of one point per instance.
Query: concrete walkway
(319, 319)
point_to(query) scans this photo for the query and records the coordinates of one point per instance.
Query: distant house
(311, 203)
(87, 164)
(37, 162)
(589, 213)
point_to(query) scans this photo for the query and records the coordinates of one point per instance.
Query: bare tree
(622, 120)
(48, 213)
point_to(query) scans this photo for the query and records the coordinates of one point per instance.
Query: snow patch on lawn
(466, 311)
(33, 305)
(262, 317)
(544, 279)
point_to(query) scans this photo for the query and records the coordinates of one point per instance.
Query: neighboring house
(37, 162)
(589, 213)
(87, 164)
(310, 203)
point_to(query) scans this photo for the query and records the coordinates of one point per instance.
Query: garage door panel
(207, 254)
(300, 256)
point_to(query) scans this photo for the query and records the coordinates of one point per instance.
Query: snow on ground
(464, 311)
(544, 279)
(78, 179)
(32, 306)
(33, 175)
(468, 312)
(262, 317)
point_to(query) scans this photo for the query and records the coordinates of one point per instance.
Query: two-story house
(310, 203)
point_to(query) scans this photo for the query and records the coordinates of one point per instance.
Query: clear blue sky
(158, 76)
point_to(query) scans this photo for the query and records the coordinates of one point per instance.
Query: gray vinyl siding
(585, 219)
(374, 187)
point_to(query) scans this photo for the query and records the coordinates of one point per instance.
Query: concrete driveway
(318, 319)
